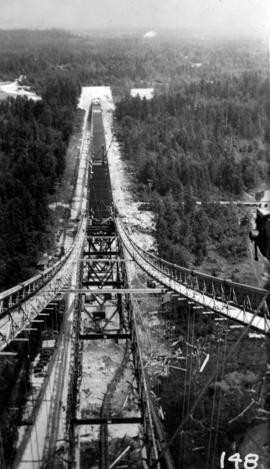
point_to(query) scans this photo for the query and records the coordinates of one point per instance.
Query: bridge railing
(221, 290)
(20, 304)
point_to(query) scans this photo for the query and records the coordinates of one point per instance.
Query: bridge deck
(261, 324)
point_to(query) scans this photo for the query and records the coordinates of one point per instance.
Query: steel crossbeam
(104, 336)
(121, 291)
(103, 259)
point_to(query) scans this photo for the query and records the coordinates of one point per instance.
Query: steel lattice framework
(242, 303)
(21, 304)
(107, 247)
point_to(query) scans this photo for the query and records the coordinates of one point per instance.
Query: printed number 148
(250, 460)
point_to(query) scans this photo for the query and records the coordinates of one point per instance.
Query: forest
(124, 60)
(202, 137)
(202, 141)
(33, 141)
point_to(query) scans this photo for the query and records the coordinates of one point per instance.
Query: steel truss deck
(117, 324)
(243, 304)
(103, 264)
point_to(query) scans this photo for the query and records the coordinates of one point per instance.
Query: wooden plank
(104, 335)
(108, 421)
(20, 339)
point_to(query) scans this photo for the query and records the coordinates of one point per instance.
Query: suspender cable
(211, 378)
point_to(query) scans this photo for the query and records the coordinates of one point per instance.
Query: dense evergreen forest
(202, 136)
(122, 60)
(203, 141)
(33, 141)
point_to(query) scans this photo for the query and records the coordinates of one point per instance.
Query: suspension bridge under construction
(88, 300)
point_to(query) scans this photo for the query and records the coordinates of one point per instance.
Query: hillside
(204, 141)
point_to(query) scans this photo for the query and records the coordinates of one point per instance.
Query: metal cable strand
(211, 378)
(219, 399)
(212, 411)
(182, 434)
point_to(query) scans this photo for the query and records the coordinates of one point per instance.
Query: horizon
(235, 18)
(143, 33)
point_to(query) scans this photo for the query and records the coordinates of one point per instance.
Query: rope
(211, 378)
(182, 434)
(212, 411)
(219, 399)
(191, 361)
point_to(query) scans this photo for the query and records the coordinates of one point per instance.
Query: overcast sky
(229, 16)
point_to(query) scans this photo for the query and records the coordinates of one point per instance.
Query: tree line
(202, 135)
(204, 141)
(125, 60)
(33, 142)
